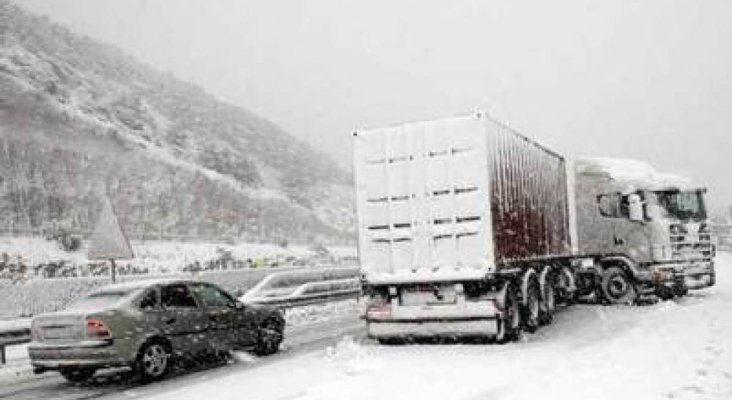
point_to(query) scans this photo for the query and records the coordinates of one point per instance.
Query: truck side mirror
(635, 208)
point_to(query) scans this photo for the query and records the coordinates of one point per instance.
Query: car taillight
(97, 329)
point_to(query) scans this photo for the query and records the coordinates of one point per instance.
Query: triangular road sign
(108, 241)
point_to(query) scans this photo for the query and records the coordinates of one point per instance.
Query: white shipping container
(454, 199)
(422, 194)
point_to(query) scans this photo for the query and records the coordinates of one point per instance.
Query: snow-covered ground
(672, 350)
(300, 316)
(162, 256)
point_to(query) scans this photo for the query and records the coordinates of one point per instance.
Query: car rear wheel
(269, 338)
(153, 361)
(77, 375)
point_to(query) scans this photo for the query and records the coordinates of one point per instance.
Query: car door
(183, 320)
(151, 312)
(243, 318)
(219, 309)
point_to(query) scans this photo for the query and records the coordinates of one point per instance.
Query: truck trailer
(467, 228)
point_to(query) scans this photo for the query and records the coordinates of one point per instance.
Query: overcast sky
(643, 79)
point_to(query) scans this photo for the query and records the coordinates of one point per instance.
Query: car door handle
(169, 320)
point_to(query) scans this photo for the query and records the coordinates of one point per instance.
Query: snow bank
(169, 256)
(300, 316)
(350, 358)
(36, 250)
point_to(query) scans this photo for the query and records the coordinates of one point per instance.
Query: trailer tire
(565, 286)
(531, 309)
(618, 286)
(509, 322)
(548, 298)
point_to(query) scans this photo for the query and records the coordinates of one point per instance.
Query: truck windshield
(683, 205)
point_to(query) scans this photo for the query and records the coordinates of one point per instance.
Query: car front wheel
(269, 338)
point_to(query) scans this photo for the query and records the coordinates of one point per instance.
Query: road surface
(679, 349)
(300, 339)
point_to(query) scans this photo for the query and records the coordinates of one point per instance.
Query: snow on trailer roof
(634, 174)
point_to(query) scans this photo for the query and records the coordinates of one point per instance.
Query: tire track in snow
(712, 376)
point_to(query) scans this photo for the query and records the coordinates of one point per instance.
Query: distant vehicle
(469, 228)
(144, 325)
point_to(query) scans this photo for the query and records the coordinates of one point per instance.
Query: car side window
(211, 296)
(177, 296)
(149, 300)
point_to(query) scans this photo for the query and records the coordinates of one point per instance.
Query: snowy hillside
(79, 118)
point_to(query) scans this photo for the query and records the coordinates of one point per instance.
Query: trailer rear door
(423, 201)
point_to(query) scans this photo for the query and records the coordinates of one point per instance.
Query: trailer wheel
(548, 301)
(565, 287)
(509, 323)
(532, 307)
(617, 286)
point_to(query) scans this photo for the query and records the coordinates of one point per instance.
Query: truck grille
(691, 242)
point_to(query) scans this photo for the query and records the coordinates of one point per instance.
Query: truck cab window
(609, 205)
(613, 205)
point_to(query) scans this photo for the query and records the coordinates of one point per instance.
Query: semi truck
(467, 228)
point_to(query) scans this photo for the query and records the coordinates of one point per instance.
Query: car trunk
(59, 328)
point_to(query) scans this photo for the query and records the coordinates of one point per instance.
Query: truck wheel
(77, 375)
(509, 323)
(531, 309)
(617, 287)
(548, 302)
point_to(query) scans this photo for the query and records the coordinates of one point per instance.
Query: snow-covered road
(309, 328)
(673, 350)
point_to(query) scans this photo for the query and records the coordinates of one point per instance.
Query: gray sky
(642, 79)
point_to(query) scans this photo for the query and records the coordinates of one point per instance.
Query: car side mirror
(635, 208)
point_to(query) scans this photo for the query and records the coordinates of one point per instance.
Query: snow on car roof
(129, 286)
(635, 174)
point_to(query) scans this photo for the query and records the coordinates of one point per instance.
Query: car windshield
(682, 205)
(99, 300)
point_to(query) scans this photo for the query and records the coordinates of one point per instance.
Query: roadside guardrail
(289, 289)
(13, 333)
